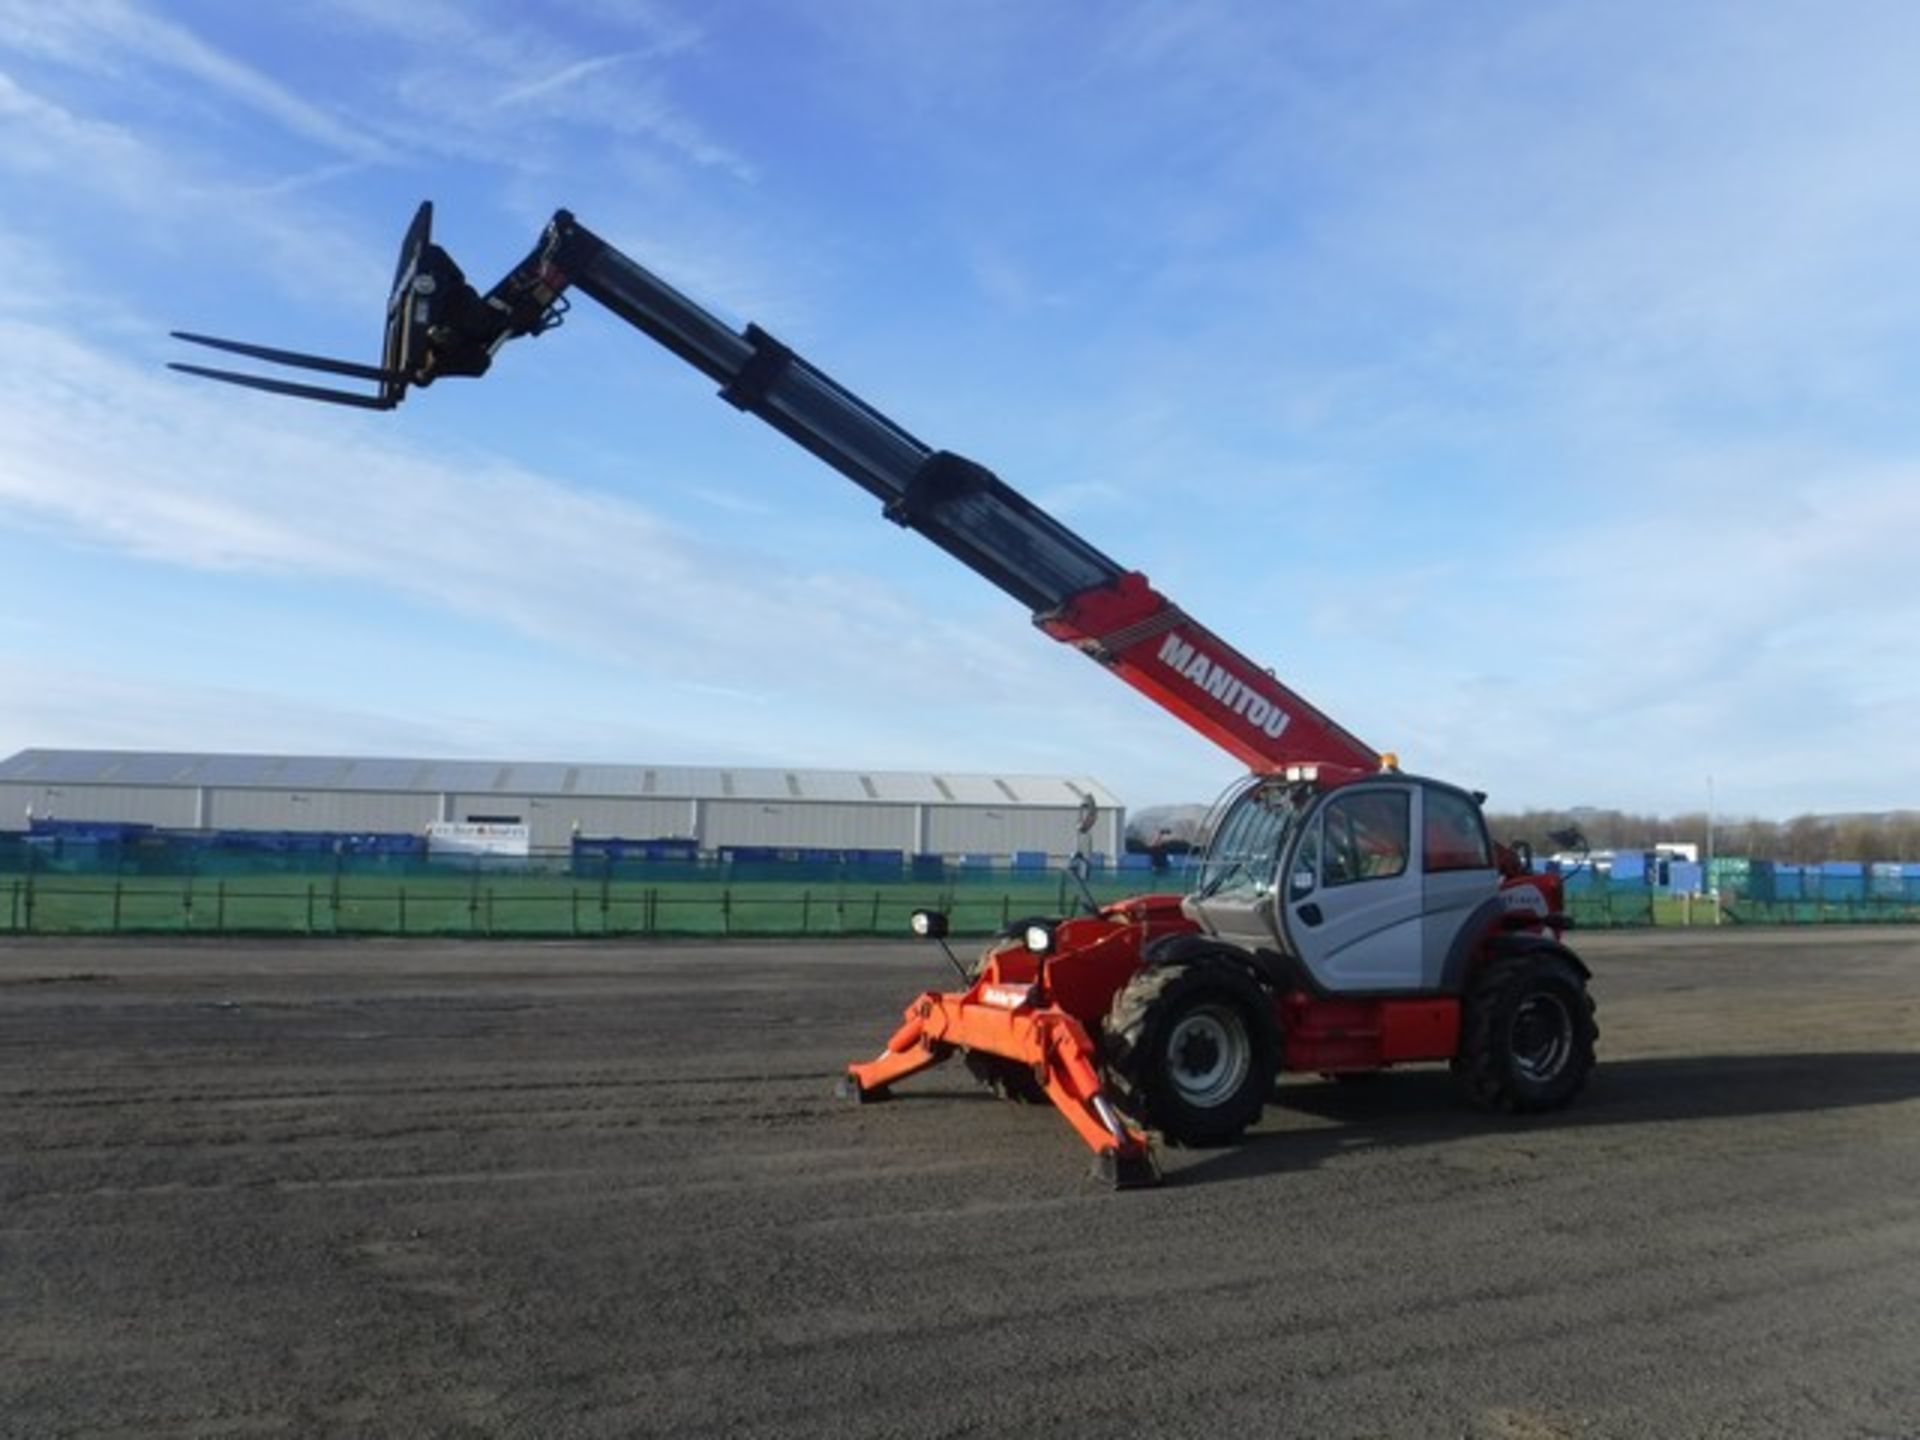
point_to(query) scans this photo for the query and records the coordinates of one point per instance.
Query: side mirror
(929, 924)
(1523, 854)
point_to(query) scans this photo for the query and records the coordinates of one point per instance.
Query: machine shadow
(1424, 1107)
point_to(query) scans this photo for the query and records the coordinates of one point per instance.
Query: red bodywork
(1186, 669)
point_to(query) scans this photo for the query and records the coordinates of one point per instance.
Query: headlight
(1040, 939)
(929, 924)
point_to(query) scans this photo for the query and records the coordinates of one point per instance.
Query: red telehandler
(1345, 916)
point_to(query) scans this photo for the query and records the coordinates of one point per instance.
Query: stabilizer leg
(1123, 1156)
(910, 1050)
(1050, 1041)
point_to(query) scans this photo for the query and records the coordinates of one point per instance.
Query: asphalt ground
(421, 1188)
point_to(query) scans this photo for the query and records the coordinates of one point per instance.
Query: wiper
(1212, 887)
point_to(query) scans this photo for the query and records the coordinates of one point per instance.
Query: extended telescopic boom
(439, 325)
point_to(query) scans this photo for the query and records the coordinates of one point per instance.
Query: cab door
(1355, 892)
(1462, 876)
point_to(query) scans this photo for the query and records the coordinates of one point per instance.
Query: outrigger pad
(849, 1088)
(1125, 1172)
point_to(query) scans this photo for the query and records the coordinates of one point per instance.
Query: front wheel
(1190, 1050)
(1527, 1035)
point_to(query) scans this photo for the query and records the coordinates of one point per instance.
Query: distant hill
(1837, 835)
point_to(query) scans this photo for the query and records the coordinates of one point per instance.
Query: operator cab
(1370, 885)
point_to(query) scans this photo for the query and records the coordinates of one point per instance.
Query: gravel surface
(550, 1190)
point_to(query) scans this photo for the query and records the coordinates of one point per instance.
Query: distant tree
(1689, 829)
(1903, 835)
(1809, 840)
(1762, 839)
(1859, 837)
(1804, 840)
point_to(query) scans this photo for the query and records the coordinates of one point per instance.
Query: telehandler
(1345, 916)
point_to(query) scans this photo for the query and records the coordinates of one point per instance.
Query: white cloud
(166, 202)
(167, 470)
(1532, 387)
(70, 705)
(561, 79)
(39, 137)
(92, 34)
(626, 92)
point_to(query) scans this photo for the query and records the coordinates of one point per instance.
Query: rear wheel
(1527, 1034)
(1190, 1050)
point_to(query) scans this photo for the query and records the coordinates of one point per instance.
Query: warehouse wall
(369, 810)
(964, 829)
(804, 822)
(872, 825)
(134, 804)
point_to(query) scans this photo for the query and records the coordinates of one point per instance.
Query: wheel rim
(1208, 1055)
(1541, 1036)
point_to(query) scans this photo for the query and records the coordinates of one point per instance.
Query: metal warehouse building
(915, 813)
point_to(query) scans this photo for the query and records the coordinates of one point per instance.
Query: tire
(1008, 1079)
(1191, 1050)
(1527, 1035)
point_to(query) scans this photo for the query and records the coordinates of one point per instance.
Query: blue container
(86, 832)
(1029, 859)
(617, 849)
(1843, 880)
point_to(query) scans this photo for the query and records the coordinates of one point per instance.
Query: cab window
(1456, 836)
(1364, 837)
(1247, 842)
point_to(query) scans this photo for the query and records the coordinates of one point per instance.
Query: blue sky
(1532, 386)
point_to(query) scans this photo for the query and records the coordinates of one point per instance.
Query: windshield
(1244, 840)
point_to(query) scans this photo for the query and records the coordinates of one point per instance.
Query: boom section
(1077, 594)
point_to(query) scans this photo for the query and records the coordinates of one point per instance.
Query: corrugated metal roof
(415, 776)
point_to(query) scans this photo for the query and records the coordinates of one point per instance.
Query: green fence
(1623, 907)
(108, 890)
(415, 900)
